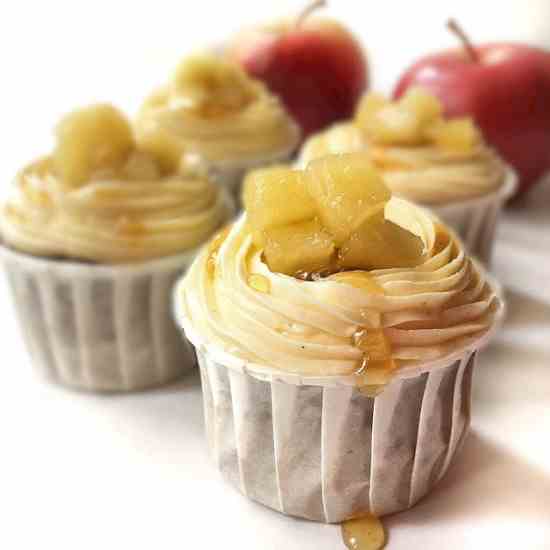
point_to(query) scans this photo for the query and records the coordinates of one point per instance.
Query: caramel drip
(213, 249)
(377, 363)
(366, 533)
(259, 283)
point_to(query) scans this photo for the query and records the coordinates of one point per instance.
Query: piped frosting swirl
(110, 218)
(213, 111)
(279, 323)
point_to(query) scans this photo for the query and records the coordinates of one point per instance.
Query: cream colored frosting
(261, 129)
(110, 219)
(426, 174)
(428, 313)
(434, 176)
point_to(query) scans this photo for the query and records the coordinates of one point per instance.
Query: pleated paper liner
(318, 448)
(476, 220)
(99, 327)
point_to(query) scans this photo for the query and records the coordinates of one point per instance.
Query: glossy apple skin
(319, 72)
(507, 92)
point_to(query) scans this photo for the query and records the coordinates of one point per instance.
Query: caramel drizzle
(213, 250)
(377, 364)
(365, 533)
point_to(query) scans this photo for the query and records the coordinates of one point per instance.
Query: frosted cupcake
(336, 338)
(440, 163)
(220, 118)
(94, 236)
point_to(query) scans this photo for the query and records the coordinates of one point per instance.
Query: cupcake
(93, 237)
(440, 163)
(220, 118)
(336, 338)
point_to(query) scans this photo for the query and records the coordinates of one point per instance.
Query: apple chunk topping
(347, 190)
(167, 150)
(415, 120)
(426, 107)
(368, 106)
(212, 86)
(327, 219)
(300, 247)
(141, 166)
(276, 196)
(379, 244)
(459, 134)
(394, 125)
(91, 139)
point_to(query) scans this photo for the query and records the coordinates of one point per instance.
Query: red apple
(316, 66)
(505, 87)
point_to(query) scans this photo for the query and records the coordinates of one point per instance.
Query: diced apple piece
(459, 134)
(368, 106)
(425, 106)
(394, 125)
(380, 244)
(167, 150)
(213, 85)
(347, 190)
(300, 247)
(276, 196)
(258, 236)
(141, 166)
(93, 138)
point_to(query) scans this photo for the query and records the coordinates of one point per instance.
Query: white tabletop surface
(86, 472)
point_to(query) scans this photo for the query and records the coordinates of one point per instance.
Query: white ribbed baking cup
(101, 327)
(476, 220)
(318, 448)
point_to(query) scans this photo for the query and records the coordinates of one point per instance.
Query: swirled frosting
(109, 218)
(426, 174)
(280, 323)
(251, 124)
(433, 176)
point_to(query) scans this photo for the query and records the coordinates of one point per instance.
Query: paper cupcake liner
(332, 453)
(101, 327)
(476, 220)
(96, 327)
(318, 448)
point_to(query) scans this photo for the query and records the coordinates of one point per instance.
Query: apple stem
(456, 29)
(309, 9)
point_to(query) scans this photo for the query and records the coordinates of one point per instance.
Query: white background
(81, 471)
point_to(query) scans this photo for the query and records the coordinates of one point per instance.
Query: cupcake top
(328, 275)
(424, 157)
(99, 197)
(212, 110)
